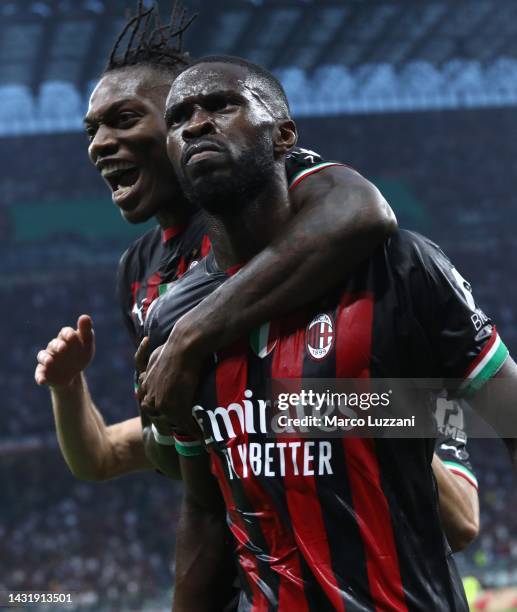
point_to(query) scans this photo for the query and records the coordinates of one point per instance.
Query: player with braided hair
(126, 127)
(150, 42)
(340, 215)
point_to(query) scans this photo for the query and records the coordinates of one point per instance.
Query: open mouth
(121, 176)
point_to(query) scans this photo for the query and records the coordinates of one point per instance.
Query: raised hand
(66, 355)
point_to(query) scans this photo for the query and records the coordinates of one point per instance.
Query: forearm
(80, 429)
(322, 244)
(200, 550)
(496, 401)
(92, 450)
(162, 457)
(205, 567)
(459, 506)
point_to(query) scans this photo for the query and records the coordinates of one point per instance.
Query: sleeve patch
(485, 366)
(461, 470)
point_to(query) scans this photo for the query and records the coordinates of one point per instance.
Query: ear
(285, 136)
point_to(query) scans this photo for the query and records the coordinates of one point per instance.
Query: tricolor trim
(187, 446)
(299, 176)
(260, 340)
(162, 439)
(461, 470)
(164, 287)
(486, 365)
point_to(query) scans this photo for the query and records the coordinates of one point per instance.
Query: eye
(90, 132)
(219, 103)
(177, 116)
(126, 119)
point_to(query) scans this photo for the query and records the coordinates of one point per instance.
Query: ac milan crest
(320, 336)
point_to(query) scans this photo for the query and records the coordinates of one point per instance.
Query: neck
(239, 234)
(172, 216)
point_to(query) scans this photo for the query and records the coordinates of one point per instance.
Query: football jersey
(160, 257)
(340, 523)
(451, 445)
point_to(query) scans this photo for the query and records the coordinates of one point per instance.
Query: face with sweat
(223, 135)
(127, 137)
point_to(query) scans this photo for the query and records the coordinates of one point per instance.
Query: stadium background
(419, 96)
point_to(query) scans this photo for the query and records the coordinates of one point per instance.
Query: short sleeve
(301, 163)
(467, 345)
(451, 444)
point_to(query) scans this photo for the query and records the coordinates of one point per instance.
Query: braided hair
(144, 40)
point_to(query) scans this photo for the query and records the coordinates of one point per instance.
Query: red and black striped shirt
(347, 523)
(160, 257)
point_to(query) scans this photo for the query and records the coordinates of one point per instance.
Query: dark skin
(202, 512)
(202, 503)
(125, 125)
(339, 217)
(127, 132)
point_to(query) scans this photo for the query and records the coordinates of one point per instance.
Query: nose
(199, 124)
(103, 144)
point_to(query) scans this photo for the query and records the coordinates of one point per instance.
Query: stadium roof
(69, 40)
(368, 43)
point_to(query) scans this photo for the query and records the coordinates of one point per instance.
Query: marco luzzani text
(326, 419)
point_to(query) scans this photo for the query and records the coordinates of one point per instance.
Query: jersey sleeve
(451, 444)
(301, 163)
(466, 344)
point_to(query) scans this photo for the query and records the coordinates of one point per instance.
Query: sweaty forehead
(203, 79)
(127, 84)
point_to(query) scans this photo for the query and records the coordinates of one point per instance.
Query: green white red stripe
(486, 364)
(261, 341)
(187, 446)
(299, 176)
(163, 288)
(461, 470)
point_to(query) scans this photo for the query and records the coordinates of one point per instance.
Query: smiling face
(219, 134)
(127, 136)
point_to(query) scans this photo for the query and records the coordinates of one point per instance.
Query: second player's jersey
(451, 445)
(160, 257)
(341, 523)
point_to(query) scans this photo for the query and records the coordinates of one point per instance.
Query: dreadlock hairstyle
(144, 40)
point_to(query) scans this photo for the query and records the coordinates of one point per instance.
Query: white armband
(160, 438)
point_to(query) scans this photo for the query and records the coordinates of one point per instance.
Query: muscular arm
(205, 566)
(496, 401)
(341, 218)
(459, 506)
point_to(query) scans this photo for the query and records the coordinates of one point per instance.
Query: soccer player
(322, 524)
(339, 215)
(127, 132)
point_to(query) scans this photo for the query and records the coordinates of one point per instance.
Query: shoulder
(413, 249)
(140, 250)
(301, 163)
(412, 242)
